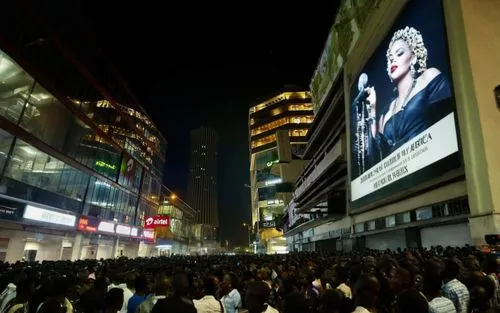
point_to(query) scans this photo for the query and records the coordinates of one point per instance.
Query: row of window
(445, 209)
(281, 97)
(93, 197)
(281, 122)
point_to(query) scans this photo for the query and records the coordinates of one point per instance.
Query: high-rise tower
(202, 184)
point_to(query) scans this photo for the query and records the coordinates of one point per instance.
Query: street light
(173, 196)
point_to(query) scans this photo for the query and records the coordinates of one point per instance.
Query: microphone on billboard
(362, 84)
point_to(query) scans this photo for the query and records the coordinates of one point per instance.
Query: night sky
(191, 64)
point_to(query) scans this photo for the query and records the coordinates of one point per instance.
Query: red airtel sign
(156, 221)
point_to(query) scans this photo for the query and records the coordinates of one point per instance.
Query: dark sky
(206, 63)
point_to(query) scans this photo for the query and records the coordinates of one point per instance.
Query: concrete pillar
(474, 46)
(77, 247)
(15, 249)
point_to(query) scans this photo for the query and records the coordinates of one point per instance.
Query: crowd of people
(438, 280)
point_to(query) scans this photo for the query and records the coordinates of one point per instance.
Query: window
(5, 142)
(263, 141)
(35, 168)
(15, 88)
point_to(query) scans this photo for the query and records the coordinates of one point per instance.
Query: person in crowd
(491, 269)
(342, 274)
(256, 298)
(208, 303)
(92, 301)
(118, 281)
(454, 289)
(366, 293)
(331, 301)
(481, 296)
(141, 292)
(161, 290)
(113, 301)
(231, 298)
(9, 293)
(432, 282)
(23, 294)
(411, 301)
(178, 302)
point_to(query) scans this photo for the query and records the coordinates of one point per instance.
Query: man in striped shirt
(453, 289)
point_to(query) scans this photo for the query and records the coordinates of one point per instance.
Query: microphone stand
(362, 136)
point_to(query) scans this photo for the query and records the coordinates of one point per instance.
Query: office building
(80, 160)
(202, 180)
(278, 128)
(405, 186)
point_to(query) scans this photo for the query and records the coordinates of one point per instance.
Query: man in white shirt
(209, 304)
(126, 287)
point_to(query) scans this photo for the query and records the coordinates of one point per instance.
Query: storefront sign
(87, 224)
(47, 216)
(156, 221)
(105, 165)
(148, 234)
(107, 227)
(134, 232)
(123, 230)
(268, 224)
(8, 213)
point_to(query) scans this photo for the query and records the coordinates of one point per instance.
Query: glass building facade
(51, 156)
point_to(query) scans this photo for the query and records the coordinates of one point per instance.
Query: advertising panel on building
(48, 216)
(403, 120)
(156, 221)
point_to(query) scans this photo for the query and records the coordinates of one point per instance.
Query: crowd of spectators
(437, 280)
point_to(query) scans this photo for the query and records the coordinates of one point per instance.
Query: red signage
(156, 221)
(85, 224)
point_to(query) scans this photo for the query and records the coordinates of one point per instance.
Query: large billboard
(403, 120)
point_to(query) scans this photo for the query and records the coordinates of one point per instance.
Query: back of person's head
(412, 301)
(452, 269)
(141, 284)
(479, 298)
(162, 285)
(490, 264)
(101, 284)
(130, 280)
(342, 274)
(180, 284)
(61, 286)
(366, 290)
(265, 273)
(114, 299)
(256, 296)
(331, 301)
(23, 289)
(209, 286)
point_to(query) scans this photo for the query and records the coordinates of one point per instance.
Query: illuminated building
(278, 130)
(80, 161)
(437, 186)
(202, 181)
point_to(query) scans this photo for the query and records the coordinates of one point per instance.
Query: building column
(15, 249)
(473, 53)
(76, 252)
(116, 248)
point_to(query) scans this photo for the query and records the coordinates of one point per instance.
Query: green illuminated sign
(105, 165)
(269, 164)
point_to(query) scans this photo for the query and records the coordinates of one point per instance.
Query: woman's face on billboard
(400, 58)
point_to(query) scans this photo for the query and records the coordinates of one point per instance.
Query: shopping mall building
(80, 160)
(403, 150)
